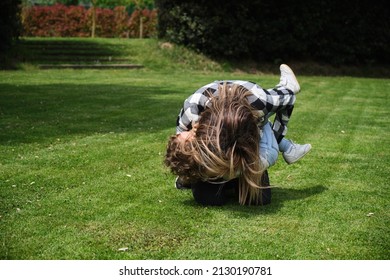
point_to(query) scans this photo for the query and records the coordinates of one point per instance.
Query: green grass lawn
(81, 171)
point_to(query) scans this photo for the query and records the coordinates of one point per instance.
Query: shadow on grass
(279, 196)
(313, 68)
(45, 112)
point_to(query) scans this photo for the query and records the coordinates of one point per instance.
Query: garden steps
(89, 66)
(77, 54)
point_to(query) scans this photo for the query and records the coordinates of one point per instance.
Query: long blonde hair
(227, 142)
(225, 146)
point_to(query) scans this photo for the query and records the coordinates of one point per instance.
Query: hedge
(267, 30)
(76, 21)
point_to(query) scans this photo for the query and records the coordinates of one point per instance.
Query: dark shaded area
(41, 113)
(327, 32)
(9, 23)
(313, 68)
(218, 194)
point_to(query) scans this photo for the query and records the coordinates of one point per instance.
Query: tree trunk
(93, 19)
(141, 26)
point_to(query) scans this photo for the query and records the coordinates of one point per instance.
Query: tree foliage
(99, 3)
(9, 22)
(268, 30)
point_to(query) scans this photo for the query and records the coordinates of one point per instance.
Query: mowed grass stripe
(95, 182)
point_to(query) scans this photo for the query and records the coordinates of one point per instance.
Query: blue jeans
(269, 148)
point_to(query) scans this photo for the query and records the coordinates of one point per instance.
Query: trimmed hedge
(267, 30)
(76, 21)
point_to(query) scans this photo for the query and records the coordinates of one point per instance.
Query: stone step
(78, 60)
(90, 66)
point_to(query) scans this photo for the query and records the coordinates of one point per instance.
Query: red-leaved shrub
(149, 22)
(76, 21)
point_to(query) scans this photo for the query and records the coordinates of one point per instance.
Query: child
(219, 128)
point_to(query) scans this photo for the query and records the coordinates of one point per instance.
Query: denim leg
(285, 145)
(269, 148)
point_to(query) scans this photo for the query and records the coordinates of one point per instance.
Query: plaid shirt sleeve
(193, 106)
(278, 101)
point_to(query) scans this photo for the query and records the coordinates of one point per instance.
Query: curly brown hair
(180, 159)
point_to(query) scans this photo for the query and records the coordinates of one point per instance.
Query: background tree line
(10, 14)
(139, 9)
(339, 32)
(77, 21)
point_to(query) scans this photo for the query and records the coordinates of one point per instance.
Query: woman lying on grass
(224, 138)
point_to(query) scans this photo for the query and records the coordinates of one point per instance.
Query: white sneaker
(288, 79)
(296, 152)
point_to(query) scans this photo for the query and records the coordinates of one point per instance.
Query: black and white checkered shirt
(278, 101)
